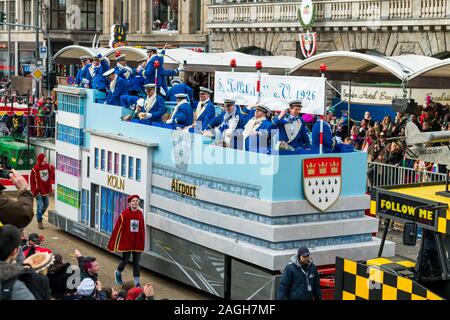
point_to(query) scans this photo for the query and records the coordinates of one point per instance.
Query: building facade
(179, 23)
(156, 22)
(66, 21)
(390, 27)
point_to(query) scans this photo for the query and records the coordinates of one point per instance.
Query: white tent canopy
(437, 73)
(361, 67)
(195, 61)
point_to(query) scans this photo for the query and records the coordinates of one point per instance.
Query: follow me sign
(395, 207)
(276, 91)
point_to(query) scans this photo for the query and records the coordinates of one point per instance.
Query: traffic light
(2, 17)
(49, 81)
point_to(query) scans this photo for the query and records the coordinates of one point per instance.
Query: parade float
(224, 221)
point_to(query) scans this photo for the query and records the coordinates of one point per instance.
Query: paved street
(65, 244)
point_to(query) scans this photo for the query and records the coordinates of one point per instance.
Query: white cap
(109, 72)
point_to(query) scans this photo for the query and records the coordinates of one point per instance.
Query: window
(130, 167)
(88, 170)
(109, 161)
(58, 14)
(70, 135)
(85, 207)
(165, 15)
(12, 12)
(96, 158)
(88, 14)
(138, 169)
(27, 12)
(103, 160)
(116, 163)
(198, 16)
(68, 165)
(68, 196)
(112, 205)
(123, 169)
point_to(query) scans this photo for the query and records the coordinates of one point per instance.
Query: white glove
(169, 121)
(148, 115)
(180, 68)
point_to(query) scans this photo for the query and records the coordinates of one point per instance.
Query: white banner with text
(276, 91)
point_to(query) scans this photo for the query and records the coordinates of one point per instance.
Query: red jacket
(41, 179)
(128, 233)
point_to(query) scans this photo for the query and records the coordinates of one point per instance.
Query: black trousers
(136, 261)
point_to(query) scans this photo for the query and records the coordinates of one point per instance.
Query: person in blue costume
(257, 130)
(179, 86)
(227, 126)
(117, 88)
(204, 112)
(293, 133)
(154, 106)
(129, 101)
(150, 70)
(124, 71)
(137, 81)
(328, 141)
(100, 65)
(182, 115)
(83, 78)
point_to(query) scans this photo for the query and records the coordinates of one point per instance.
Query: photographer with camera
(16, 212)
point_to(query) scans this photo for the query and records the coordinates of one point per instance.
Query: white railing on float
(380, 174)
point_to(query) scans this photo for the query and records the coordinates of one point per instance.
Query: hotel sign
(384, 95)
(116, 182)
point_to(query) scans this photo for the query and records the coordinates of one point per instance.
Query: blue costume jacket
(157, 110)
(180, 88)
(222, 124)
(83, 74)
(137, 81)
(327, 137)
(183, 115)
(99, 81)
(261, 141)
(293, 131)
(162, 73)
(127, 101)
(208, 115)
(113, 98)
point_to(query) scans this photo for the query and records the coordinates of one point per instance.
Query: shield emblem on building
(322, 181)
(308, 42)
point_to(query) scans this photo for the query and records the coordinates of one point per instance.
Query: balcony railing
(328, 12)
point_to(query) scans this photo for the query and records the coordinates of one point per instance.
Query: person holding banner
(257, 130)
(292, 127)
(328, 141)
(226, 125)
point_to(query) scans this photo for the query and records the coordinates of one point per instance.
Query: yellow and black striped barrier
(357, 281)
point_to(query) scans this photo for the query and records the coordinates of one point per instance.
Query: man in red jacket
(41, 179)
(128, 237)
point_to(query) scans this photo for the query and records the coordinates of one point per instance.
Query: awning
(361, 67)
(195, 61)
(435, 76)
(72, 54)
